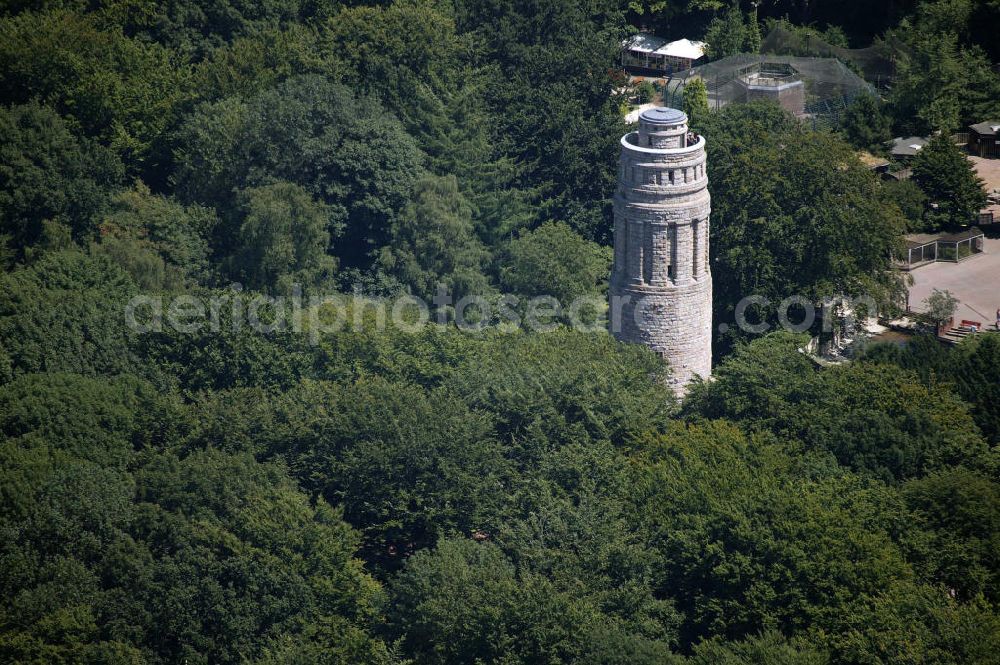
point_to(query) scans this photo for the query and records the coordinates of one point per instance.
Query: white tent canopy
(683, 48)
(647, 50)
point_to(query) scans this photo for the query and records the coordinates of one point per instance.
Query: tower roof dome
(663, 115)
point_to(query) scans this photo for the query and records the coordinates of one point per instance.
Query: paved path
(633, 115)
(988, 170)
(975, 282)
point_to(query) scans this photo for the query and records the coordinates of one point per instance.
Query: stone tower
(661, 286)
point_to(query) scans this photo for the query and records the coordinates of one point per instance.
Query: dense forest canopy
(427, 494)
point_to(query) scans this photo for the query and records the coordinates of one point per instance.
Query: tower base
(675, 322)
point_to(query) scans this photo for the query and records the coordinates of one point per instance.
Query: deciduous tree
(284, 238)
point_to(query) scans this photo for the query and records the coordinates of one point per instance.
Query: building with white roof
(905, 148)
(646, 51)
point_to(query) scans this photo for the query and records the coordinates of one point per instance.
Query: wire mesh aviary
(814, 87)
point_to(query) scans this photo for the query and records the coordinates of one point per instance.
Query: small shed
(984, 138)
(899, 174)
(990, 214)
(903, 149)
(878, 165)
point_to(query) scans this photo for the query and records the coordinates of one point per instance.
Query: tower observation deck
(661, 284)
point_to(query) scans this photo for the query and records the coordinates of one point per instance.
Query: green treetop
(950, 182)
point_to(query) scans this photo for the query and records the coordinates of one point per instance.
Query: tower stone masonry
(661, 284)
